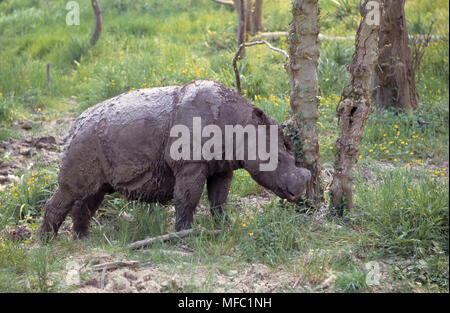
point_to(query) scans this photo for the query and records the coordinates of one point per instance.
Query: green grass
(401, 190)
(24, 199)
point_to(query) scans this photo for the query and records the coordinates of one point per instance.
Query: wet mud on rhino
(123, 145)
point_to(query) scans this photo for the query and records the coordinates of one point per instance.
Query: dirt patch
(23, 153)
(30, 149)
(161, 278)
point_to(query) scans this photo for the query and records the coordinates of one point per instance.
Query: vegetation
(400, 219)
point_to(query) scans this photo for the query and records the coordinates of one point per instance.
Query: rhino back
(125, 136)
(133, 131)
(214, 104)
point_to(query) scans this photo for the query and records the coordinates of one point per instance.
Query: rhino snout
(296, 184)
(306, 175)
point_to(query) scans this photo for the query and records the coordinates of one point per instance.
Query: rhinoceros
(126, 144)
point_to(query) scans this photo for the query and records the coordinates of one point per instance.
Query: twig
(114, 265)
(101, 227)
(296, 282)
(168, 237)
(249, 44)
(98, 223)
(102, 281)
(107, 240)
(224, 2)
(48, 75)
(418, 48)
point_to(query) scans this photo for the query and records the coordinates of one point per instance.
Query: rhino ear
(258, 114)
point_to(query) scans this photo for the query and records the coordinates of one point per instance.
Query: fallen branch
(272, 35)
(224, 2)
(169, 237)
(249, 44)
(114, 265)
(176, 252)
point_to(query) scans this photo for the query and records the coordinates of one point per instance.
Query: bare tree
(305, 93)
(395, 77)
(98, 22)
(355, 107)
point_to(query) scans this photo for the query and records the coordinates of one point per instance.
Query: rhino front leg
(189, 183)
(56, 210)
(218, 188)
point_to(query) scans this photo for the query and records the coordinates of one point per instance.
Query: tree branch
(98, 22)
(249, 44)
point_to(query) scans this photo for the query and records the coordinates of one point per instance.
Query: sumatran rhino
(130, 144)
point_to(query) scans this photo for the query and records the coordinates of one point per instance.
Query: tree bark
(395, 77)
(241, 7)
(258, 16)
(98, 22)
(305, 93)
(249, 20)
(354, 109)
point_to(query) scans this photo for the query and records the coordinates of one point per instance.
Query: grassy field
(401, 217)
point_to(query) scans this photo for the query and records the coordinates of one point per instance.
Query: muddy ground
(38, 142)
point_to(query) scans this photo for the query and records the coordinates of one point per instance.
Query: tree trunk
(258, 16)
(303, 72)
(355, 108)
(98, 22)
(249, 21)
(241, 8)
(395, 77)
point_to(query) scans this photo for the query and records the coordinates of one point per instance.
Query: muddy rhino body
(123, 145)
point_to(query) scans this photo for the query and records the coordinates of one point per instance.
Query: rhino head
(285, 178)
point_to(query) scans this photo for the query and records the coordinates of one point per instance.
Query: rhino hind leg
(56, 210)
(82, 213)
(188, 190)
(218, 187)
